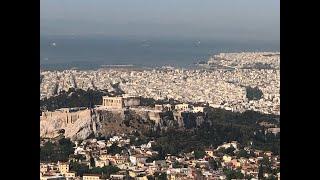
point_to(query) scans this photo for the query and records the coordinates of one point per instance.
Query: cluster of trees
(73, 98)
(198, 154)
(177, 164)
(220, 126)
(154, 158)
(81, 169)
(266, 167)
(161, 153)
(233, 174)
(56, 151)
(267, 142)
(78, 157)
(243, 153)
(158, 176)
(105, 171)
(253, 93)
(258, 65)
(151, 102)
(214, 164)
(230, 150)
(115, 149)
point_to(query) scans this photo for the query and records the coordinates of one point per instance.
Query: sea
(77, 52)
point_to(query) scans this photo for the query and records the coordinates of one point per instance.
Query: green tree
(266, 164)
(114, 149)
(176, 164)
(253, 93)
(56, 151)
(213, 164)
(233, 174)
(106, 170)
(79, 157)
(73, 98)
(162, 176)
(198, 154)
(271, 177)
(80, 169)
(243, 153)
(249, 177)
(230, 150)
(260, 173)
(219, 126)
(92, 162)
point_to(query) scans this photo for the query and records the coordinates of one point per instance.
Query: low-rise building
(70, 175)
(63, 168)
(138, 158)
(91, 177)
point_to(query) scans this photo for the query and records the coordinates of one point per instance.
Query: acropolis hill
(221, 82)
(125, 114)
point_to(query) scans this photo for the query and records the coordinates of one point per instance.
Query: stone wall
(76, 124)
(65, 116)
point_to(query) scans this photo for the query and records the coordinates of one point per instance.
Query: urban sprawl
(221, 82)
(222, 88)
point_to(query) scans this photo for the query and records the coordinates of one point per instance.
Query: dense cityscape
(217, 121)
(128, 161)
(219, 87)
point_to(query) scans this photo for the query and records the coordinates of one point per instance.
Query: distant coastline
(90, 53)
(196, 64)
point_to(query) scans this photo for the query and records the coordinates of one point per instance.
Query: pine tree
(260, 173)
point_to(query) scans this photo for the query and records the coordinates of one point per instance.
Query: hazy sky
(203, 19)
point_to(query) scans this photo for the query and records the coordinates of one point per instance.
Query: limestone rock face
(84, 123)
(83, 127)
(49, 129)
(80, 124)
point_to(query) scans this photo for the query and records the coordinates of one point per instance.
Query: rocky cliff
(82, 123)
(97, 122)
